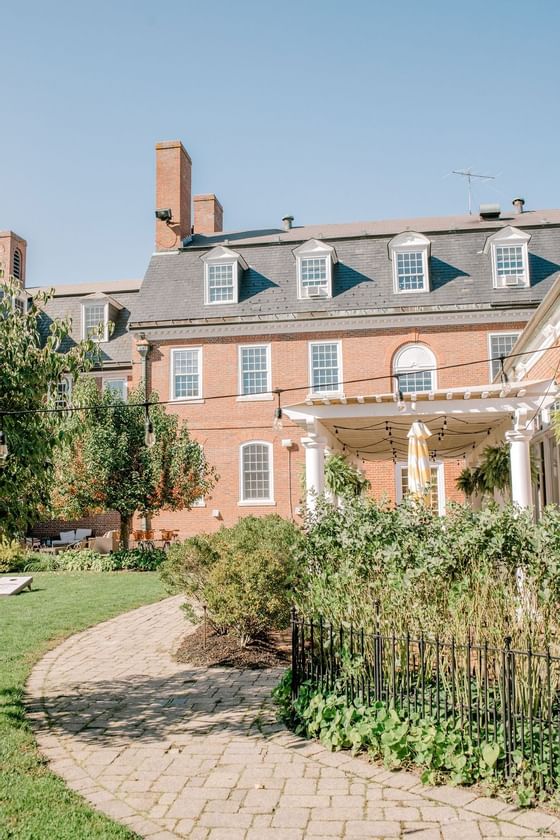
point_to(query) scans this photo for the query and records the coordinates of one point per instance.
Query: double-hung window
(256, 473)
(501, 344)
(95, 321)
(325, 367)
(410, 254)
(509, 253)
(220, 283)
(315, 261)
(223, 269)
(186, 374)
(62, 392)
(254, 371)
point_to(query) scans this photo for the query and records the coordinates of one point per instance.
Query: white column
(314, 468)
(520, 463)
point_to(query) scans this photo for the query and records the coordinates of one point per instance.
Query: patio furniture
(168, 537)
(72, 539)
(144, 539)
(106, 543)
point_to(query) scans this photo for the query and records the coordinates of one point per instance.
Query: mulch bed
(223, 651)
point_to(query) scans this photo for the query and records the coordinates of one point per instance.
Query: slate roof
(461, 274)
(67, 303)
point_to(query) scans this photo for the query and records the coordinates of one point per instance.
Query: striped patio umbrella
(419, 473)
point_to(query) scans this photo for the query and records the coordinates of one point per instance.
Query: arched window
(414, 365)
(17, 264)
(256, 473)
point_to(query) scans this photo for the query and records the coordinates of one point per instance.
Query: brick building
(331, 314)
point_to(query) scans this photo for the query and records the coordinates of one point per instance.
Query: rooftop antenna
(469, 175)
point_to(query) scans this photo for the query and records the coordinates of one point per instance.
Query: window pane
(314, 273)
(412, 383)
(410, 271)
(500, 345)
(509, 260)
(94, 315)
(220, 283)
(256, 472)
(434, 490)
(254, 370)
(324, 367)
(116, 386)
(186, 373)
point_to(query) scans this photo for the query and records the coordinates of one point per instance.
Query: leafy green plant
(443, 749)
(244, 575)
(137, 559)
(342, 478)
(12, 555)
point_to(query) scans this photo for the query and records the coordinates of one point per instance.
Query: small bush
(12, 556)
(244, 575)
(138, 559)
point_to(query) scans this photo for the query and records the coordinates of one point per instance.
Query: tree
(31, 365)
(108, 466)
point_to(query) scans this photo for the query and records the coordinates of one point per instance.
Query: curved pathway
(175, 751)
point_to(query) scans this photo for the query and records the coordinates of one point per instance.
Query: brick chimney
(208, 214)
(173, 192)
(13, 251)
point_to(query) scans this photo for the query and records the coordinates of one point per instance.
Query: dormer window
(315, 262)
(96, 321)
(508, 249)
(222, 272)
(410, 253)
(98, 310)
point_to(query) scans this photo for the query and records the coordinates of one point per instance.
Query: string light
(149, 433)
(277, 423)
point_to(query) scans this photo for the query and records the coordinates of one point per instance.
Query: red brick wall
(208, 214)
(173, 190)
(99, 524)
(364, 354)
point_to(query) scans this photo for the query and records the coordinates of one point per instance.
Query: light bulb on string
(149, 433)
(277, 423)
(4, 451)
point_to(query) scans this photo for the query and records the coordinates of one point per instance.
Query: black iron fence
(502, 696)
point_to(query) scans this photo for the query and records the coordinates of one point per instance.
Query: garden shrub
(87, 560)
(138, 559)
(244, 575)
(12, 555)
(414, 570)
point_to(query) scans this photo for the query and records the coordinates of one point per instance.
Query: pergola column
(520, 464)
(314, 468)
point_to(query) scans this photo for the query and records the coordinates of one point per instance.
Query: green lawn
(35, 804)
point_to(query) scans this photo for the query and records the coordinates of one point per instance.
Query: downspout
(143, 348)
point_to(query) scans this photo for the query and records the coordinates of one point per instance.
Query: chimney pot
(287, 222)
(518, 203)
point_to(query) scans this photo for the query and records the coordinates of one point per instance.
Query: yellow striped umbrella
(419, 473)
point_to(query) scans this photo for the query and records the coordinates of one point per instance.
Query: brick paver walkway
(174, 751)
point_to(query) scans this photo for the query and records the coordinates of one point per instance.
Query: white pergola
(463, 421)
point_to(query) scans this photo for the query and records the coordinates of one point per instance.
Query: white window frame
(257, 502)
(221, 256)
(312, 250)
(199, 503)
(491, 358)
(100, 339)
(440, 478)
(313, 392)
(410, 242)
(397, 373)
(265, 395)
(193, 399)
(106, 379)
(509, 237)
(53, 389)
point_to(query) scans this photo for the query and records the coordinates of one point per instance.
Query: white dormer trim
(222, 256)
(310, 250)
(413, 243)
(508, 237)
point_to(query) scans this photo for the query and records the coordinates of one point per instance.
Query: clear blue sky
(331, 111)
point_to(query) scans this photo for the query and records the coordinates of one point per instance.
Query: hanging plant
(342, 479)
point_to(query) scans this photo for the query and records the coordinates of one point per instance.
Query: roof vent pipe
(518, 203)
(287, 222)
